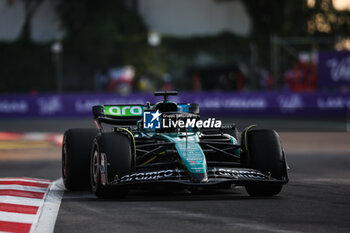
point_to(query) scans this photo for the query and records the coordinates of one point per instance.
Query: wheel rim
(95, 167)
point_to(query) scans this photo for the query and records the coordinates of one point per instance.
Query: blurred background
(60, 57)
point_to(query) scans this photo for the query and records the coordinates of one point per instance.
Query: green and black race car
(137, 146)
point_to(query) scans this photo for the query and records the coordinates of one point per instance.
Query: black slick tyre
(263, 152)
(76, 150)
(110, 158)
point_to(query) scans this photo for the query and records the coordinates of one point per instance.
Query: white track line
(21, 200)
(23, 188)
(15, 217)
(49, 211)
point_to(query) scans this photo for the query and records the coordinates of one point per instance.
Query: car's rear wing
(130, 114)
(118, 114)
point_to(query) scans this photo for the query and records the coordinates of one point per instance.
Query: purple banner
(334, 69)
(211, 104)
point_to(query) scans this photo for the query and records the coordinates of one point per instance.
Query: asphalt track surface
(317, 199)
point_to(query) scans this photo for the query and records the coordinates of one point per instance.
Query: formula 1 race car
(166, 143)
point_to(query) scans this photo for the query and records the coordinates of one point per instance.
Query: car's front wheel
(110, 159)
(263, 152)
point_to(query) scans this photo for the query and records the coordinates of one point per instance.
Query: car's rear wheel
(110, 158)
(263, 152)
(76, 149)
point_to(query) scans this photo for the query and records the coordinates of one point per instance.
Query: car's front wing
(216, 176)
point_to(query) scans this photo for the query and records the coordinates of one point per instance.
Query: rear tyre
(110, 158)
(76, 150)
(263, 152)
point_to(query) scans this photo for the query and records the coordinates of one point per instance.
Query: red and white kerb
(21, 201)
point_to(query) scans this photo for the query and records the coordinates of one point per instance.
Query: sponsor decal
(232, 102)
(239, 173)
(123, 111)
(8, 106)
(293, 101)
(339, 69)
(333, 69)
(245, 103)
(332, 102)
(176, 174)
(142, 176)
(49, 106)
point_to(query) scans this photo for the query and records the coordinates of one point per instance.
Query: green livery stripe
(123, 110)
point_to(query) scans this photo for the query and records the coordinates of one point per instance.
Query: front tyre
(110, 158)
(263, 152)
